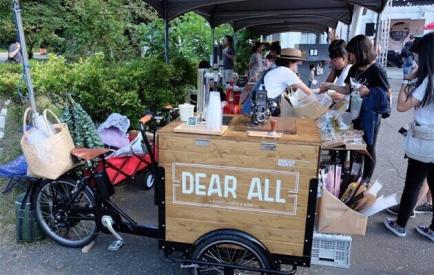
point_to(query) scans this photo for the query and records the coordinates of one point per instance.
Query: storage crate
(331, 250)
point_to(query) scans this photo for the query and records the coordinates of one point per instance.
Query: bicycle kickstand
(108, 222)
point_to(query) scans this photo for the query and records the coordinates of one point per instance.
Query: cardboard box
(337, 218)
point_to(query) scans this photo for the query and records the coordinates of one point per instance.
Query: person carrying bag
(419, 142)
(47, 147)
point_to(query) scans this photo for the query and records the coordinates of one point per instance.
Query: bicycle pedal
(116, 245)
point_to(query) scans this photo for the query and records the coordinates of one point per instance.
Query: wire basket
(331, 250)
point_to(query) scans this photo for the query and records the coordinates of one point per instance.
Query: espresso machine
(206, 81)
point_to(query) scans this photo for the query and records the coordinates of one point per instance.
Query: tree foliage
(103, 87)
(79, 27)
(42, 20)
(190, 36)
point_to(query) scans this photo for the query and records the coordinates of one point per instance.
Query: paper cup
(185, 111)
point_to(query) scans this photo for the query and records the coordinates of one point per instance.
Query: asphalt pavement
(379, 252)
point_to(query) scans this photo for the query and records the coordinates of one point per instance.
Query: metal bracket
(268, 146)
(202, 142)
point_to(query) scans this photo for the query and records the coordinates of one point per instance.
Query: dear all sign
(244, 189)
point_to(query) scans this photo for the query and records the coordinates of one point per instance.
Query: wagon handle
(145, 119)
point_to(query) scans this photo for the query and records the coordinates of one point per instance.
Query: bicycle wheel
(54, 215)
(229, 249)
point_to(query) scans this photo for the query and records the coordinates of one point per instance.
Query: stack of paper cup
(214, 114)
(186, 110)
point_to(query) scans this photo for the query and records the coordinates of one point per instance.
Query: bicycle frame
(124, 223)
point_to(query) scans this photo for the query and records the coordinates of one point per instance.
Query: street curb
(3, 114)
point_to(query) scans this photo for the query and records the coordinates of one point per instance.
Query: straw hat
(291, 54)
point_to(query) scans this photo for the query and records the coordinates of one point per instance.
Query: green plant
(10, 79)
(245, 39)
(102, 87)
(190, 37)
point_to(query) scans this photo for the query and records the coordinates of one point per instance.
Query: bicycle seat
(88, 154)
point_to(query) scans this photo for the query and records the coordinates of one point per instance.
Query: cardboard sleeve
(337, 218)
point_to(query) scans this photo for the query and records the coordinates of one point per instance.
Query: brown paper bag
(50, 158)
(335, 217)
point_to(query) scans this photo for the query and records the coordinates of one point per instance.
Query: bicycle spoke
(52, 205)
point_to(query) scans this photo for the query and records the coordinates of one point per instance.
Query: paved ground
(377, 253)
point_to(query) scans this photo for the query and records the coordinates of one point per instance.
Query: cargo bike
(227, 204)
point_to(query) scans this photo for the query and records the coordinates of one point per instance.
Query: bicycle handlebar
(145, 119)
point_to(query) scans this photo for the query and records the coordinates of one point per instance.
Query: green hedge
(127, 87)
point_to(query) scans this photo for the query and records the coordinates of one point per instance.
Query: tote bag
(50, 157)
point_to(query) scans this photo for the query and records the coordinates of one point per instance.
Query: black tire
(230, 245)
(53, 217)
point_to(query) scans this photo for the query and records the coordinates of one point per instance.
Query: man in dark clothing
(228, 59)
(14, 53)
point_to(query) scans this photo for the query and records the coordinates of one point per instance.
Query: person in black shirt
(370, 75)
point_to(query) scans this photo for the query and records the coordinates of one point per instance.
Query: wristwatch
(406, 82)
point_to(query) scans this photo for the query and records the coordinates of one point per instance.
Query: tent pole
(235, 39)
(166, 33)
(26, 66)
(212, 46)
(377, 31)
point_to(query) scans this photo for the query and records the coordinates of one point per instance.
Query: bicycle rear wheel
(62, 223)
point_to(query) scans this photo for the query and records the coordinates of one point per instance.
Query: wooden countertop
(307, 134)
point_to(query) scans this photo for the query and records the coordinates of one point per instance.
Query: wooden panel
(307, 133)
(199, 129)
(230, 182)
(237, 153)
(286, 242)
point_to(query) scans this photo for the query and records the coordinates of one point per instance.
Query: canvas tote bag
(50, 157)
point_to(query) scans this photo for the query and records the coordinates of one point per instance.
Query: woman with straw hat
(284, 76)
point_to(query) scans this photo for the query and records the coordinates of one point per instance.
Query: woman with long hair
(256, 63)
(374, 85)
(419, 142)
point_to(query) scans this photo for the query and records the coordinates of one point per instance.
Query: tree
(79, 27)
(107, 26)
(42, 21)
(190, 36)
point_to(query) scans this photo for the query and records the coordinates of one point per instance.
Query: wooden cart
(260, 190)
(229, 204)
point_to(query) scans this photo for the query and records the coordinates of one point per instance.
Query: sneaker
(425, 231)
(394, 228)
(425, 208)
(394, 210)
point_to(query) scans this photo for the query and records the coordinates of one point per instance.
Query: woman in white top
(284, 76)
(339, 67)
(256, 63)
(419, 143)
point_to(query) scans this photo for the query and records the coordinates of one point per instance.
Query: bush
(10, 76)
(127, 87)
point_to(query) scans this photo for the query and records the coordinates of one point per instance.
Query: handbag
(419, 143)
(48, 157)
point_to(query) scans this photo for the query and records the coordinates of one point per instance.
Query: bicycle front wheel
(70, 224)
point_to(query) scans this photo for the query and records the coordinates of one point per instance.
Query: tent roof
(228, 11)
(321, 21)
(297, 27)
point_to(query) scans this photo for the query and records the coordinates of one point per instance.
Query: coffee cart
(234, 191)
